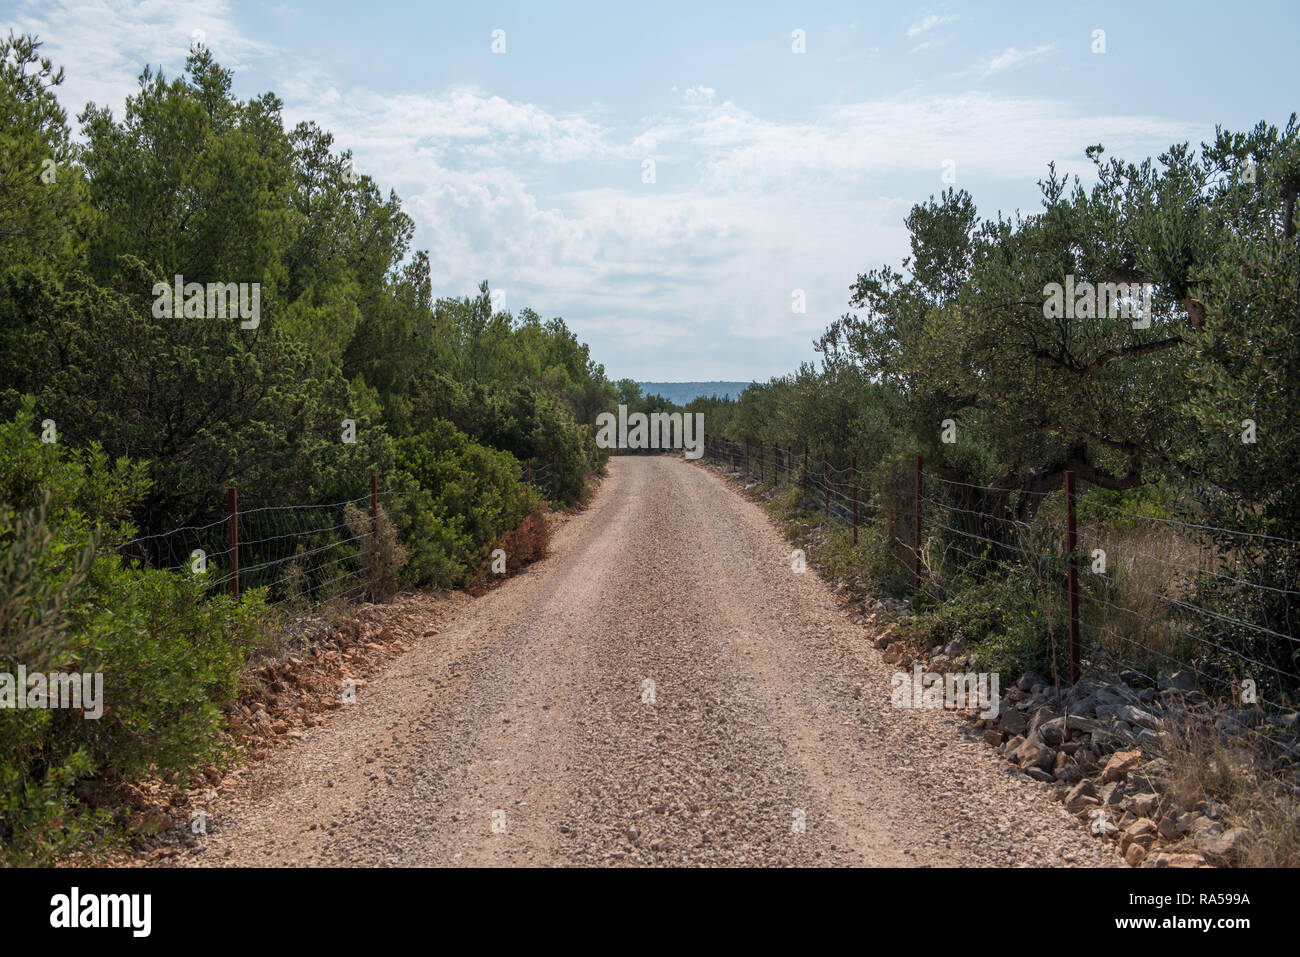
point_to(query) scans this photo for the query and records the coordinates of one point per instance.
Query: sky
(676, 179)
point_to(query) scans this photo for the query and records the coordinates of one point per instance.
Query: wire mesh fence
(1162, 600)
(299, 555)
(296, 554)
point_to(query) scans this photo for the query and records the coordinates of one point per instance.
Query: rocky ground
(663, 690)
(1102, 746)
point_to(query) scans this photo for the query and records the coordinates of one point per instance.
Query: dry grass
(381, 556)
(1205, 763)
(530, 540)
(1146, 566)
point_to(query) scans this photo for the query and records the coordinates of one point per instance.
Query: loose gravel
(663, 690)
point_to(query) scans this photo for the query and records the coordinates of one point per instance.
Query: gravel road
(525, 733)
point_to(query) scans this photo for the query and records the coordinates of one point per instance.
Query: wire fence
(542, 474)
(1161, 601)
(299, 554)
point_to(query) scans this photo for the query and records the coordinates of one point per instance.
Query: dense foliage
(1187, 413)
(130, 416)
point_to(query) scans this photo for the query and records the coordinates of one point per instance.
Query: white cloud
(549, 203)
(699, 94)
(103, 45)
(1011, 57)
(929, 22)
(998, 136)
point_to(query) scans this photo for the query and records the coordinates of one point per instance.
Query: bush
(169, 656)
(381, 556)
(529, 541)
(518, 420)
(472, 494)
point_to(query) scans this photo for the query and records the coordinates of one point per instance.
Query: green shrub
(469, 498)
(169, 656)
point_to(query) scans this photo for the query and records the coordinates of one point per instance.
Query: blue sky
(774, 171)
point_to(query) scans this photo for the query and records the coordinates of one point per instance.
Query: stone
(993, 738)
(1144, 804)
(1029, 679)
(1135, 715)
(1034, 753)
(1135, 854)
(1167, 859)
(1056, 730)
(1120, 764)
(1142, 831)
(1041, 717)
(1013, 722)
(1167, 828)
(1112, 793)
(1225, 848)
(1205, 829)
(1083, 794)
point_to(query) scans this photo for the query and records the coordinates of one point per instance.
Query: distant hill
(683, 392)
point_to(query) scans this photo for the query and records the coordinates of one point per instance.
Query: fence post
(826, 474)
(553, 481)
(805, 470)
(855, 499)
(762, 467)
(530, 472)
(1072, 576)
(232, 507)
(746, 458)
(916, 552)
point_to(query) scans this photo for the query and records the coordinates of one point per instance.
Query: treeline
(303, 353)
(1140, 332)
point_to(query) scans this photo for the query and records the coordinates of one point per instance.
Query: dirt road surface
(526, 732)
